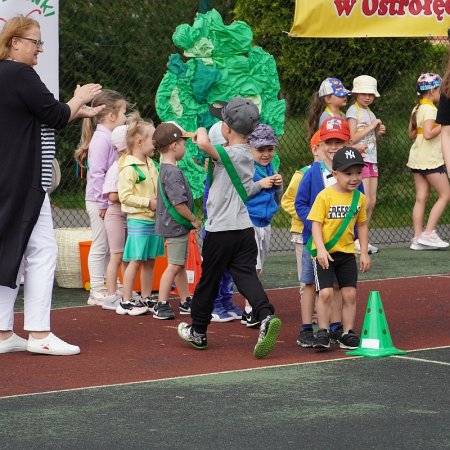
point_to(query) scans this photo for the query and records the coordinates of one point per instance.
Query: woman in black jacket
(27, 241)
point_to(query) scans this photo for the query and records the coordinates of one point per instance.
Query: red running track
(121, 349)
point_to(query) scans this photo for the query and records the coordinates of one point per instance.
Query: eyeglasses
(37, 42)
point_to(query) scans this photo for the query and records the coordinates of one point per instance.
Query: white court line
(431, 361)
(184, 377)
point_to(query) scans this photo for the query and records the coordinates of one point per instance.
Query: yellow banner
(370, 18)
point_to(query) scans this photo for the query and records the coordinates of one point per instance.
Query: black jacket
(25, 103)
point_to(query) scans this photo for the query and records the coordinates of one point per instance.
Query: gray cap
(240, 114)
(263, 136)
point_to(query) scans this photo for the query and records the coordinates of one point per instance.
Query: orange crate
(85, 247)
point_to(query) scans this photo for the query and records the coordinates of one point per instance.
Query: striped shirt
(48, 154)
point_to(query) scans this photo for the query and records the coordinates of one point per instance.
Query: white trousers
(99, 253)
(38, 268)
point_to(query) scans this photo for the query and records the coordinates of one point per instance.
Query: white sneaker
(357, 247)
(51, 345)
(371, 248)
(97, 296)
(432, 240)
(13, 344)
(112, 301)
(416, 246)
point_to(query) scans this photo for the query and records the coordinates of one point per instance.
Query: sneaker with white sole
(97, 296)
(233, 310)
(163, 311)
(416, 246)
(14, 343)
(432, 240)
(185, 307)
(131, 308)
(268, 333)
(371, 248)
(150, 302)
(187, 333)
(52, 345)
(349, 340)
(219, 314)
(111, 302)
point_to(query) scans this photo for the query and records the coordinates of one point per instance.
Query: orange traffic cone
(375, 337)
(193, 264)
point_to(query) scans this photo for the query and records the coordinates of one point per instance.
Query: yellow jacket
(288, 201)
(135, 196)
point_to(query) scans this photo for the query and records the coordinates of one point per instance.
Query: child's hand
(196, 224)
(324, 258)
(277, 179)
(201, 138)
(364, 262)
(152, 204)
(266, 183)
(360, 147)
(381, 129)
(101, 213)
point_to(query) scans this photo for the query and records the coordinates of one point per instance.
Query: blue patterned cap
(263, 136)
(428, 81)
(333, 86)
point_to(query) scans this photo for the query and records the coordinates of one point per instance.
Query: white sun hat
(365, 84)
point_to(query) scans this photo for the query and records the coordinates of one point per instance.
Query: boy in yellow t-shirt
(327, 215)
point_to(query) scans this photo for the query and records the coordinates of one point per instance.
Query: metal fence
(126, 45)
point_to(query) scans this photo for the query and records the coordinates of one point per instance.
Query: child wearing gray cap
(230, 239)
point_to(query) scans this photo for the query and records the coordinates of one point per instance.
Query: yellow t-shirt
(288, 202)
(330, 208)
(425, 154)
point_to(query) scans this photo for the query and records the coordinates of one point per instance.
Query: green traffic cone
(375, 336)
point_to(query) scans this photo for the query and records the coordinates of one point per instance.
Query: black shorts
(425, 172)
(343, 268)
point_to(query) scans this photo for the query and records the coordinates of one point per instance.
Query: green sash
(172, 211)
(231, 171)
(348, 217)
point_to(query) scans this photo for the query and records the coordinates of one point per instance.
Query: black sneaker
(150, 302)
(335, 336)
(163, 311)
(322, 339)
(185, 307)
(349, 340)
(244, 318)
(187, 333)
(252, 321)
(268, 333)
(306, 338)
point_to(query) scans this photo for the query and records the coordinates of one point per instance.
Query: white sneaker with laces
(97, 296)
(416, 246)
(372, 249)
(112, 301)
(432, 240)
(13, 344)
(51, 345)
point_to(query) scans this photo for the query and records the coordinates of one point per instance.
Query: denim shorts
(307, 276)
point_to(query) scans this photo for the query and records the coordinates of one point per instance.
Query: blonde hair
(137, 126)
(316, 108)
(14, 27)
(112, 101)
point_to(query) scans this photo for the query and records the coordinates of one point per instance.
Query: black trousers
(236, 251)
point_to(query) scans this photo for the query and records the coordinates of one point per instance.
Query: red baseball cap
(334, 128)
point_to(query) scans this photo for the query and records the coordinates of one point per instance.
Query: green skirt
(142, 243)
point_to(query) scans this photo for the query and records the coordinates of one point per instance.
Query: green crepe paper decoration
(222, 64)
(177, 66)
